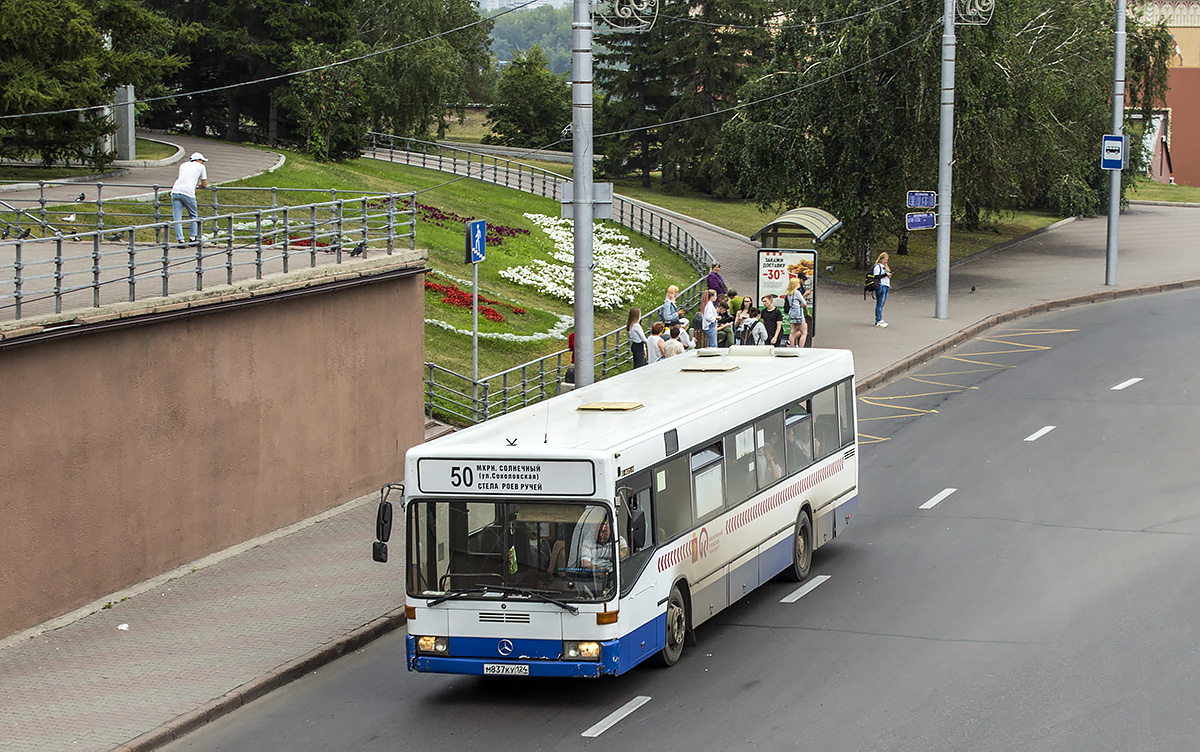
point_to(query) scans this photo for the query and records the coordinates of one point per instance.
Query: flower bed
(496, 233)
(454, 296)
(620, 272)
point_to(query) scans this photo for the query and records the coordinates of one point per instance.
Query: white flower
(620, 273)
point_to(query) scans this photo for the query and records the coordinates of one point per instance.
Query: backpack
(871, 284)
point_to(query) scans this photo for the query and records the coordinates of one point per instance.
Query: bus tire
(676, 629)
(801, 550)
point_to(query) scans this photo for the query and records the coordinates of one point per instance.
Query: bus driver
(597, 554)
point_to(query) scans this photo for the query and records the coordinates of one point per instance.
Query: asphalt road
(1046, 603)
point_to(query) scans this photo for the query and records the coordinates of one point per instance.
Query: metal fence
(452, 396)
(456, 397)
(43, 274)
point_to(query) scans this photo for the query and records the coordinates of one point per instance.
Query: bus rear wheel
(676, 628)
(801, 550)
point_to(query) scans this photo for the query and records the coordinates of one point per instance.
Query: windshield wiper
(545, 596)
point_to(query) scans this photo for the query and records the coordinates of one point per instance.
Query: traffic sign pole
(1118, 126)
(476, 253)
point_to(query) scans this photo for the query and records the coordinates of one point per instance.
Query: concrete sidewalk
(192, 645)
(226, 162)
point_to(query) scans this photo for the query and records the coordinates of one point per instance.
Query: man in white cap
(183, 194)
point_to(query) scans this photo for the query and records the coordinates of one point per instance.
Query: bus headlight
(431, 645)
(581, 651)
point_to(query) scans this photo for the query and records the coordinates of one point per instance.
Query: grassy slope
(470, 198)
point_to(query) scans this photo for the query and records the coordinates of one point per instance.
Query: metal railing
(56, 209)
(457, 397)
(451, 395)
(62, 272)
(511, 173)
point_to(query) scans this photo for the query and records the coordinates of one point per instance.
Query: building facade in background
(1175, 135)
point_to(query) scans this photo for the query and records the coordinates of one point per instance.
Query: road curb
(185, 723)
(883, 376)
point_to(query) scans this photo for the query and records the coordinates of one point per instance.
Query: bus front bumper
(475, 666)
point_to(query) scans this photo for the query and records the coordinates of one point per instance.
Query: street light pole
(945, 162)
(581, 151)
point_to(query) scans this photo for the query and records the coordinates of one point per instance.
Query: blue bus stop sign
(1113, 153)
(476, 241)
(922, 199)
(920, 220)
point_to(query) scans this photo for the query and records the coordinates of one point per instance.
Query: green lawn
(1148, 190)
(470, 198)
(146, 149)
(34, 174)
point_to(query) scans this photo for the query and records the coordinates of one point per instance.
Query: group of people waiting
(725, 320)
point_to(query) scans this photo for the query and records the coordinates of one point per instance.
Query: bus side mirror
(383, 522)
(637, 529)
(379, 551)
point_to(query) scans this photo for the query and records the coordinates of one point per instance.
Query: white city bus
(701, 477)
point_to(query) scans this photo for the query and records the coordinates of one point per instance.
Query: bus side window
(635, 497)
(798, 437)
(845, 391)
(768, 435)
(708, 487)
(825, 422)
(740, 472)
(672, 484)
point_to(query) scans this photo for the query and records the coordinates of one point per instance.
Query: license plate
(506, 669)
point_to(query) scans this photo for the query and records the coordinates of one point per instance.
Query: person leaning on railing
(192, 173)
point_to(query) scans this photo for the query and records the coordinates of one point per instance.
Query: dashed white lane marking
(614, 717)
(804, 589)
(1126, 384)
(936, 499)
(1040, 433)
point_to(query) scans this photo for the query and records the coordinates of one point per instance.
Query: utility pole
(581, 152)
(945, 162)
(1118, 126)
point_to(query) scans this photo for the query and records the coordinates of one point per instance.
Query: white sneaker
(882, 324)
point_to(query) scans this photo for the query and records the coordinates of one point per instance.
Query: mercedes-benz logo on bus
(504, 647)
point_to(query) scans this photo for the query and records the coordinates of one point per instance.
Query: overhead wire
(277, 77)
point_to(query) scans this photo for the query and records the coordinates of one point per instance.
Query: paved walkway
(185, 648)
(226, 162)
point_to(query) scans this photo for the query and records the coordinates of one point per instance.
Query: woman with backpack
(883, 276)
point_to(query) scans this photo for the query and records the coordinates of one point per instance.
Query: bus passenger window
(768, 434)
(740, 472)
(845, 391)
(825, 423)
(798, 437)
(672, 484)
(709, 485)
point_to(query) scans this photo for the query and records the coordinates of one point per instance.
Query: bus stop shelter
(785, 252)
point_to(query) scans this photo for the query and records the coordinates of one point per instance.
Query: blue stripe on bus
(468, 654)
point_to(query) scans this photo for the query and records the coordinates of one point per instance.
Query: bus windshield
(559, 551)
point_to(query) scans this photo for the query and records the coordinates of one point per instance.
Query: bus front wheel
(801, 550)
(676, 628)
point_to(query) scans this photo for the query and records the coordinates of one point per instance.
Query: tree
(713, 49)
(533, 105)
(410, 89)
(848, 115)
(549, 28)
(67, 54)
(330, 104)
(637, 93)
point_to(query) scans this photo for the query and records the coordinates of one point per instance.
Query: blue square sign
(920, 220)
(1113, 153)
(476, 241)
